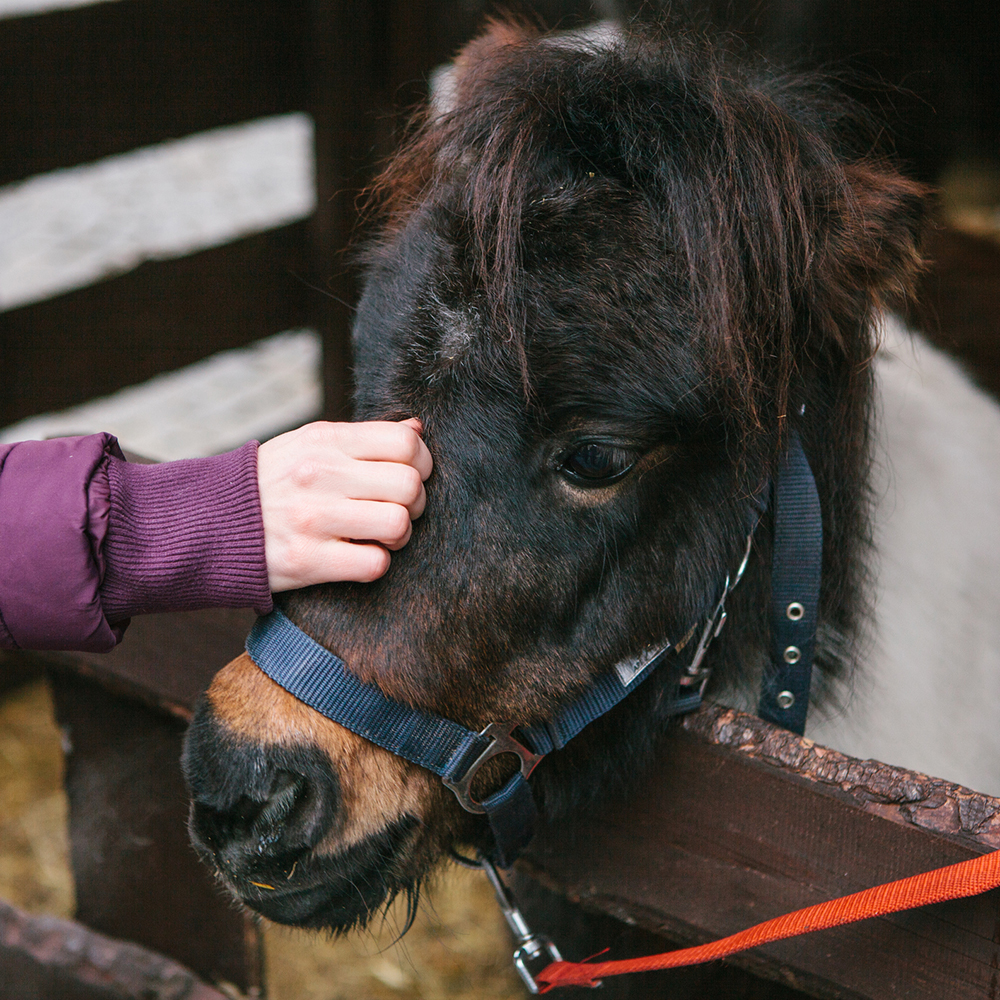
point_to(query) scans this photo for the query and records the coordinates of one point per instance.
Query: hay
(457, 949)
(34, 847)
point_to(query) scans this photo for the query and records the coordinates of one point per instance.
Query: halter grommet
(785, 699)
(795, 611)
(792, 654)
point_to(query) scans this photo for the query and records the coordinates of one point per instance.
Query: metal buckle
(695, 674)
(530, 947)
(712, 628)
(499, 734)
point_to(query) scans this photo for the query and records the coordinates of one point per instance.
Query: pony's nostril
(245, 811)
(294, 815)
(287, 792)
(254, 802)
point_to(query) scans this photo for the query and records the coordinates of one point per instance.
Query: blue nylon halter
(313, 675)
(796, 563)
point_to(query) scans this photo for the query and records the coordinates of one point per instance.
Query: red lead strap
(967, 878)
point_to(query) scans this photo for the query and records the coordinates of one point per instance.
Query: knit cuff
(185, 535)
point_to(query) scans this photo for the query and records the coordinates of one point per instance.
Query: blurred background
(178, 187)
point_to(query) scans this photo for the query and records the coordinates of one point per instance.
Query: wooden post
(348, 53)
(123, 716)
(137, 876)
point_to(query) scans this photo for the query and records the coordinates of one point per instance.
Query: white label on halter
(628, 670)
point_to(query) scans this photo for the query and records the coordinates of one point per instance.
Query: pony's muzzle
(256, 809)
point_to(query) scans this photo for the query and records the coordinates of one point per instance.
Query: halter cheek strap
(796, 562)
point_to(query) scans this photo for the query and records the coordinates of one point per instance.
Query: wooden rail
(45, 957)
(92, 81)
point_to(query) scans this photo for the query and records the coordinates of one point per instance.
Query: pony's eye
(597, 464)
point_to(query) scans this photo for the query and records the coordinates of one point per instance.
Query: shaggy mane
(792, 232)
(787, 156)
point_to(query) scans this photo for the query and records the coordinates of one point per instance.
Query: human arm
(88, 540)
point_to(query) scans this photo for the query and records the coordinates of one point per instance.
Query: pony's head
(612, 271)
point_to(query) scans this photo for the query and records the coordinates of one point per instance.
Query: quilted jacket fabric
(88, 539)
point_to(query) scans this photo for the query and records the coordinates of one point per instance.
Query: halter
(313, 675)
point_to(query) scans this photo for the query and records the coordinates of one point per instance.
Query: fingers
(362, 563)
(332, 561)
(336, 498)
(385, 482)
(388, 524)
(384, 441)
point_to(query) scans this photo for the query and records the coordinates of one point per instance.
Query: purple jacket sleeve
(88, 539)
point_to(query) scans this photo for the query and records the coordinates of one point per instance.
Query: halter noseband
(313, 675)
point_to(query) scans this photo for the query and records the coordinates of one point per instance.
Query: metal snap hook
(531, 947)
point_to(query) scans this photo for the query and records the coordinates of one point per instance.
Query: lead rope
(967, 878)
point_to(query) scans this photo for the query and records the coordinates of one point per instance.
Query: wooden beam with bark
(741, 821)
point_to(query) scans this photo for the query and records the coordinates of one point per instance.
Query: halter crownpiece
(313, 675)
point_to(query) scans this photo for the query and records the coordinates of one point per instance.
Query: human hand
(336, 497)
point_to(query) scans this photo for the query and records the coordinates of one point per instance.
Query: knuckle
(325, 437)
(316, 433)
(303, 526)
(405, 442)
(298, 557)
(375, 563)
(412, 441)
(397, 522)
(307, 473)
(411, 485)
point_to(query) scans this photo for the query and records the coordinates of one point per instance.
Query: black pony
(613, 272)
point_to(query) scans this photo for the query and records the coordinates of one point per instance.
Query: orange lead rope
(967, 878)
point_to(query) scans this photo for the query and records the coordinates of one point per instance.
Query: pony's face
(564, 532)
(542, 311)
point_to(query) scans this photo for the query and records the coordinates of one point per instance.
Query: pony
(614, 272)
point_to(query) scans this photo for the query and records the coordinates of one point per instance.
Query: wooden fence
(741, 821)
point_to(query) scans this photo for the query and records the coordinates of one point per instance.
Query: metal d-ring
(501, 741)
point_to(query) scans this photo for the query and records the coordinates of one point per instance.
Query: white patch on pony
(458, 329)
(598, 37)
(930, 697)
(444, 90)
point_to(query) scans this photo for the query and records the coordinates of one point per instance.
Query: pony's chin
(318, 907)
(332, 892)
